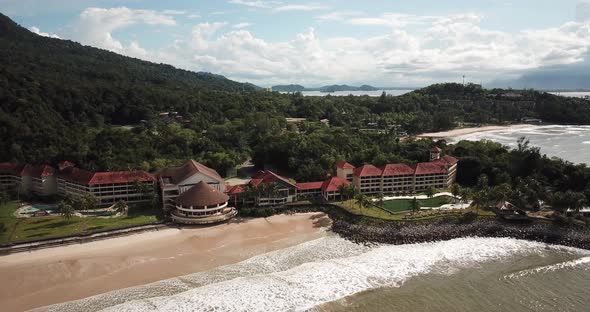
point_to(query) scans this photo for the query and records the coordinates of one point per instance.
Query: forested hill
(68, 76)
(60, 100)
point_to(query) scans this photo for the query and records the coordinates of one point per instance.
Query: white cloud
(411, 50)
(194, 15)
(44, 34)
(254, 4)
(300, 7)
(242, 25)
(95, 27)
(174, 12)
(337, 16)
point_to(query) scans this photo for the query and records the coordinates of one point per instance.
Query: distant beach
(55, 275)
(464, 131)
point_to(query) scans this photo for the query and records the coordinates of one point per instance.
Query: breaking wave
(305, 276)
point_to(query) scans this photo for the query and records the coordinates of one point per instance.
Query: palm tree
(343, 190)
(430, 191)
(380, 199)
(352, 193)
(120, 206)
(456, 191)
(415, 205)
(361, 200)
(66, 210)
(90, 202)
(464, 195)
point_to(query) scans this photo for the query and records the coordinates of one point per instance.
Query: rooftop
(367, 171)
(200, 195)
(176, 175)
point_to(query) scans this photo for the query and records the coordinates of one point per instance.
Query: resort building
(265, 189)
(397, 178)
(202, 204)
(367, 179)
(43, 180)
(345, 170)
(10, 175)
(440, 173)
(132, 187)
(177, 180)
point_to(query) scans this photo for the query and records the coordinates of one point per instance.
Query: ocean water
(571, 143)
(356, 93)
(332, 274)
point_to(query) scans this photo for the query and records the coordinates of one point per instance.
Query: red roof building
(397, 170)
(306, 186)
(367, 171)
(429, 168)
(344, 165)
(333, 184)
(436, 149)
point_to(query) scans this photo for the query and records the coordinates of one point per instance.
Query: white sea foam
(317, 280)
(577, 263)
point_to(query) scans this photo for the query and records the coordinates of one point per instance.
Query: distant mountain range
(330, 88)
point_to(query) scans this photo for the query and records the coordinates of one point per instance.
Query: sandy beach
(463, 131)
(49, 276)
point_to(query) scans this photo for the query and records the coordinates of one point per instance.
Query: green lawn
(13, 229)
(378, 213)
(399, 205)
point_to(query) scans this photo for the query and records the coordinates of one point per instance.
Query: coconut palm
(343, 190)
(430, 191)
(120, 206)
(66, 210)
(90, 202)
(456, 191)
(380, 199)
(362, 201)
(415, 205)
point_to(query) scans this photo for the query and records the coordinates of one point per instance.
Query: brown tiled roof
(77, 175)
(64, 164)
(268, 177)
(333, 183)
(429, 168)
(397, 170)
(305, 186)
(236, 189)
(436, 149)
(11, 168)
(120, 177)
(202, 194)
(344, 165)
(189, 168)
(367, 171)
(41, 171)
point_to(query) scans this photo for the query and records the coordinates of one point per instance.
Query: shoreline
(54, 275)
(449, 134)
(447, 229)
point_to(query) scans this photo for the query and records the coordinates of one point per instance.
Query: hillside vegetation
(61, 100)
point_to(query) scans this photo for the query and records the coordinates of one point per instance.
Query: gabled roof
(176, 175)
(200, 195)
(64, 164)
(344, 165)
(367, 171)
(41, 171)
(429, 168)
(11, 168)
(269, 177)
(397, 170)
(85, 177)
(436, 149)
(306, 186)
(77, 175)
(236, 189)
(333, 183)
(120, 177)
(449, 159)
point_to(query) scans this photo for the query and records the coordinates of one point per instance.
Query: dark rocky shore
(410, 233)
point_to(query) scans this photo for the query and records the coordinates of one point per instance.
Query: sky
(313, 43)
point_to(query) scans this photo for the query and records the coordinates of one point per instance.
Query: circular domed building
(202, 204)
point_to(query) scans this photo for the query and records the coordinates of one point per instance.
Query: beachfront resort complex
(196, 194)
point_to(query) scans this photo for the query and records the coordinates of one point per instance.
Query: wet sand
(60, 274)
(463, 131)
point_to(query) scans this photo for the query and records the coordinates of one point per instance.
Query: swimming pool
(37, 207)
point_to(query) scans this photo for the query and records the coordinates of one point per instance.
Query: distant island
(331, 88)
